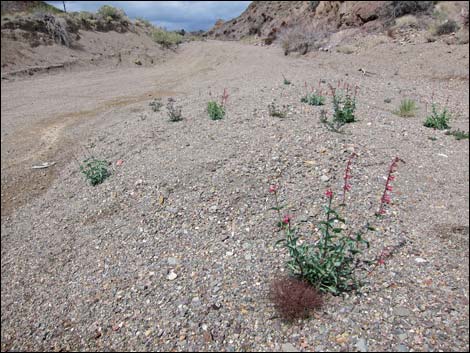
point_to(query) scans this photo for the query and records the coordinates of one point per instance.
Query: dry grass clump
(302, 39)
(406, 22)
(294, 298)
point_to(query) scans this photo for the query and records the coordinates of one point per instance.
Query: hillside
(313, 23)
(37, 37)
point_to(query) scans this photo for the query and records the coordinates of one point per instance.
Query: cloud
(188, 15)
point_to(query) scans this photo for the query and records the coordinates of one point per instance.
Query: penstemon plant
(329, 262)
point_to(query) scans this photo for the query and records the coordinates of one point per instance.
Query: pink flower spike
(286, 219)
(347, 187)
(386, 198)
(391, 177)
(389, 188)
(329, 193)
(273, 188)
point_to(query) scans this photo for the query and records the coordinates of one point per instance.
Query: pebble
(172, 261)
(288, 347)
(401, 311)
(361, 345)
(172, 276)
(324, 178)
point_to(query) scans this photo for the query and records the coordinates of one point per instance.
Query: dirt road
(86, 268)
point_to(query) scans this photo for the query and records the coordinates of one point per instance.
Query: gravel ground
(175, 251)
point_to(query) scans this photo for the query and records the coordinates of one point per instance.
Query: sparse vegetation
(448, 27)
(437, 120)
(407, 108)
(111, 13)
(174, 112)
(294, 298)
(277, 112)
(165, 38)
(301, 39)
(95, 170)
(458, 134)
(344, 104)
(215, 110)
(286, 81)
(156, 104)
(313, 99)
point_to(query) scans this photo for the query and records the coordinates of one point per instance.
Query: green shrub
(436, 120)
(344, 106)
(458, 134)
(95, 170)
(448, 27)
(166, 39)
(139, 21)
(216, 111)
(112, 13)
(313, 99)
(407, 108)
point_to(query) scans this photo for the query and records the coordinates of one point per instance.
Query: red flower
(273, 188)
(389, 188)
(329, 193)
(347, 187)
(286, 219)
(386, 198)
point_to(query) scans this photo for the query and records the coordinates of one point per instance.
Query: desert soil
(91, 268)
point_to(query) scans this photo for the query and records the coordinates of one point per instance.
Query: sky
(173, 15)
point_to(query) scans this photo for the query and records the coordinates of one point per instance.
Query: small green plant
(174, 112)
(437, 120)
(277, 112)
(407, 108)
(156, 104)
(286, 81)
(334, 126)
(344, 104)
(313, 99)
(215, 110)
(95, 170)
(458, 134)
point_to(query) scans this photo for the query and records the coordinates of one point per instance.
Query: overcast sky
(188, 15)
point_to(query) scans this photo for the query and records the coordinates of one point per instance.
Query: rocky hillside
(268, 19)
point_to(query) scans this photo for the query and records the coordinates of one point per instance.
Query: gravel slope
(87, 268)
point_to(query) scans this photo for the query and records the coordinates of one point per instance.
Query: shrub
(301, 39)
(407, 108)
(276, 112)
(436, 120)
(448, 27)
(95, 170)
(139, 21)
(166, 39)
(399, 8)
(156, 104)
(111, 13)
(329, 262)
(344, 104)
(294, 298)
(458, 134)
(406, 21)
(215, 110)
(313, 99)
(174, 112)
